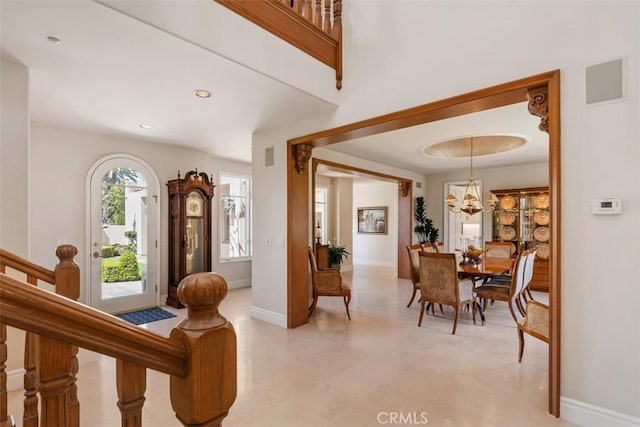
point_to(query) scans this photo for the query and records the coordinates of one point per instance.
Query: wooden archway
(543, 93)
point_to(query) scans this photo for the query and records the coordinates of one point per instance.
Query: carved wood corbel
(539, 106)
(302, 154)
(403, 188)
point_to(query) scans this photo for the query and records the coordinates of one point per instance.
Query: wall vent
(603, 82)
(268, 156)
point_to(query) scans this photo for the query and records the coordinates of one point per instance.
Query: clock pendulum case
(189, 229)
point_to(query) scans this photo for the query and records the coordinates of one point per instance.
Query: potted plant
(425, 229)
(337, 254)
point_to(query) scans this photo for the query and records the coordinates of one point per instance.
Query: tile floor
(377, 369)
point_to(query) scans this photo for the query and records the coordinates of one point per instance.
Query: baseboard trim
(587, 415)
(15, 379)
(269, 316)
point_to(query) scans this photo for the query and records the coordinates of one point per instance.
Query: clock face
(194, 205)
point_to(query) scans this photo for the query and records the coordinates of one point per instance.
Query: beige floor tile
(334, 372)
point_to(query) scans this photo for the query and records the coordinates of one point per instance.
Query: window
(321, 212)
(234, 220)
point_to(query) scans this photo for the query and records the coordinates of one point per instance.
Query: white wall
(14, 155)
(61, 213)
(435, 50)
(14, 185)
(376, 249)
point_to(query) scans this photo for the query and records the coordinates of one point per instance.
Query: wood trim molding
(403, 188)
(480, 100)
(539, 106)
(302, 154)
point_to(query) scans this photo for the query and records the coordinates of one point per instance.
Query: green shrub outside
(128, 264)
(108, 251)
(125, 270)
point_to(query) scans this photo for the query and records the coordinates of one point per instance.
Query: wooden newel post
(67, 282)
(204, 396)
(67, 272)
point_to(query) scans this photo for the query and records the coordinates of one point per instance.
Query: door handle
(96, 254)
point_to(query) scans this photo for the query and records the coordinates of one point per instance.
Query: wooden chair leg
(455, 320)
(422, 310)
(473, 312)
(313, 304)
(347, 299)
(441, 310)
(412, 296)
(521, 344)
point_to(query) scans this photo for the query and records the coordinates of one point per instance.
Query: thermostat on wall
(606, 206)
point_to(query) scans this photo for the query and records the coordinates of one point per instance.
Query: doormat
(145, 316)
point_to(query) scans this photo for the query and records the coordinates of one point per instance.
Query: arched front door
(123, 235)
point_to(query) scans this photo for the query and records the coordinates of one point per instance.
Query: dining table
(486, 268)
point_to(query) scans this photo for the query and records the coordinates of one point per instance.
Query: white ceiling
(113, 72)
(403, 148)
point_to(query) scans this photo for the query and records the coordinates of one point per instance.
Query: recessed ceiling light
(145, 126)
(201, 93)
(54, 40)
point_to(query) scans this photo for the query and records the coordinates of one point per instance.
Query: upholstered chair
(439, 284)
(327, 282)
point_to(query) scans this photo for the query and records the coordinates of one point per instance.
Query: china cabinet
(189, 229)
(522, 216)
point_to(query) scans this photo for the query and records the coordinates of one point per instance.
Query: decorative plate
(541, 217)
(507, 202)
(541, 234)
(541, 201)
(542, 250)
(507, 217)
(506, 232)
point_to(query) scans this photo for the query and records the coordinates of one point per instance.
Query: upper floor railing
(314, 26)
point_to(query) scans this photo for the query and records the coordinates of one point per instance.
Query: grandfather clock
(189, 229)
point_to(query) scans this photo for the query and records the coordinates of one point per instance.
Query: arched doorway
(123, 228)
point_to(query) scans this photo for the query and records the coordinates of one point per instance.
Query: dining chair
(413, 251)
(499, 249)
(501, 291)
(439, 284)
(414, 262)
(327, 282)
(532, 317)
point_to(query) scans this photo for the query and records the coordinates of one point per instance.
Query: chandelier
(472, 202)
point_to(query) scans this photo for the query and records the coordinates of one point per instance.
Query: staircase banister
(27, 267)
(24, 307)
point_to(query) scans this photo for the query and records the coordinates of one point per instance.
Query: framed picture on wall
(372, 220)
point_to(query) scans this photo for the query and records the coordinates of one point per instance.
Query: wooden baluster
(4, 415)
(336, 29)
(53, 359)
(307, 11)
(205, 395)
(317, 14)
(131, 382)
(67, 281)
(30, 410)
(326, 20)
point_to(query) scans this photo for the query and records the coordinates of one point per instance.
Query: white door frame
(153, 273)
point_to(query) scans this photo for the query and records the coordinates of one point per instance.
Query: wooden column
(298, 267)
